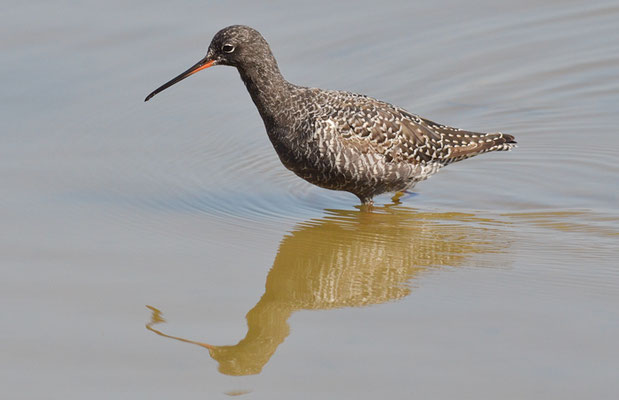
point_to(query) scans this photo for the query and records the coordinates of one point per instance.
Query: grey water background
(109, 204)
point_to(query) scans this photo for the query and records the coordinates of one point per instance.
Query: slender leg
(366, 203)
(397, 196)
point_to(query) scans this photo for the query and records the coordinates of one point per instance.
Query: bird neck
(267, 88)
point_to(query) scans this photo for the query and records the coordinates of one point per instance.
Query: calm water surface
(160, 250)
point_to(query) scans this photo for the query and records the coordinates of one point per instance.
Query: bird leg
(397, 196)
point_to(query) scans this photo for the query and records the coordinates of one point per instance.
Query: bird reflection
(348, 259)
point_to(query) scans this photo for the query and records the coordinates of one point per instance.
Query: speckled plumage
(339, 140)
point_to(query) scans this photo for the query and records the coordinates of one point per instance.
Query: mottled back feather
(404, 137)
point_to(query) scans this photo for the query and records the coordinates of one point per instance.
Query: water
(498, 279)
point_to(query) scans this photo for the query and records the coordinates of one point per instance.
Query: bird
(335, 139)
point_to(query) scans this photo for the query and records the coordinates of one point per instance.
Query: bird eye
(227, 48)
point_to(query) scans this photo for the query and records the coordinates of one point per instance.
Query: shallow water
(497, 279)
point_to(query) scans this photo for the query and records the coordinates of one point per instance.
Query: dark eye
(227, 48)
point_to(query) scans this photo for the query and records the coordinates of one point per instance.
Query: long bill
(199, 66)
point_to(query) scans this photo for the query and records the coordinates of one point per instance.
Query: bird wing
(461, 144)
(404, 137)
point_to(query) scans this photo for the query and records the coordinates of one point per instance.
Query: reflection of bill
(348, 259)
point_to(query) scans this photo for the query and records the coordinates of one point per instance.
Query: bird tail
(470, 144)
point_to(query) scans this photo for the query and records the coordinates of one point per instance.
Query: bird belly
(338, 167)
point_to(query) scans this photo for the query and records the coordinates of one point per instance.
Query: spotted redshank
(340, 140)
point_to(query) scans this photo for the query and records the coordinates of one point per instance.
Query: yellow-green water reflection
(349, 259)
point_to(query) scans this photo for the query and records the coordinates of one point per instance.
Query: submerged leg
(366, 202)
(397, 196)
(402, 194)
